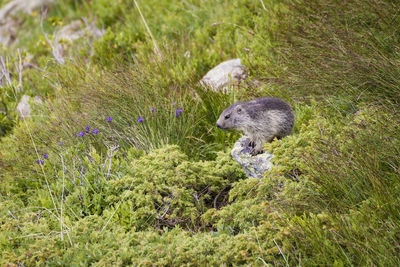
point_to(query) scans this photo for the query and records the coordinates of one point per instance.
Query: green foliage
(9, 94)
(165, 189)
(345, 170)
(351, 52)
(28, 58)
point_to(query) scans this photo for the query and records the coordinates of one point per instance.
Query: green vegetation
(156, 184)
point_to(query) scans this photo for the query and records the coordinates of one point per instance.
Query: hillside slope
(122, 163)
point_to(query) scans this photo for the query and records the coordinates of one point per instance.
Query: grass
(164, 191)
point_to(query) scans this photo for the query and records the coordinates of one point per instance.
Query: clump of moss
(163, 189)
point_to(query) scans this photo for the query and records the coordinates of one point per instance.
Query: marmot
(261, 120)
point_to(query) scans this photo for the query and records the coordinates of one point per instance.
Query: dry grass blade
(156, 49)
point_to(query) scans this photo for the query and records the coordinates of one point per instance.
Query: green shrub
(165, 189)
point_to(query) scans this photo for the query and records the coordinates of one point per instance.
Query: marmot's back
(261, 119)
(274, 113)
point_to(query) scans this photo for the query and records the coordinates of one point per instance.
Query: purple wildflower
(153, 109)
(75, 135)
(42, 161)
(81, 134)
(45, 156)
(109, 119)
(178, 111)
(95, 131)
(87, 129)
(60, 143)
(39, 161)
(140, 119)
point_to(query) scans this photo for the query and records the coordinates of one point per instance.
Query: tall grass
(353, 52)
(170, 112)
(345, 54)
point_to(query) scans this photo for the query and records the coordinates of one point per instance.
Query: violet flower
(178, 111)
(140, 119)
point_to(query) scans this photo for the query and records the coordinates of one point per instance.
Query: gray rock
(26, 6)
(75, 30)
(226, 73)
(254, 166)
(9, 22)
(24, 107)
(8, 30)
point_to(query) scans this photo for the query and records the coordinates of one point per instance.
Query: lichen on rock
(254, 166)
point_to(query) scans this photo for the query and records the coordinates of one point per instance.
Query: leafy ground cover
(123, 164)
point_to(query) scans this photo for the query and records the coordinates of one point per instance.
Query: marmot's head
(234, 117)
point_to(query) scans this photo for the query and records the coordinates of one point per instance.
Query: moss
(164, 189)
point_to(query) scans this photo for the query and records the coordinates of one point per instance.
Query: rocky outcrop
(9, 22)
(26, 6)
(225, 74)
(254, 166)
(77, 29)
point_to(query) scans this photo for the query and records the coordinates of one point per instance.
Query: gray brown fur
(261, 120)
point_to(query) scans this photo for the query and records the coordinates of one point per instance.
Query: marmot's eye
(227, 116)
(239, 110)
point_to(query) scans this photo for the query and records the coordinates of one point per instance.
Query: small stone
(253, 166)
(220, 77)
(24, 105)
(24, 108)
(77, 29)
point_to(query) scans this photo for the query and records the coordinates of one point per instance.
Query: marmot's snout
(221, 125)
(223, 122)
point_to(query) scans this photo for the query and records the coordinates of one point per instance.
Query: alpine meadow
(117, 160)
